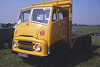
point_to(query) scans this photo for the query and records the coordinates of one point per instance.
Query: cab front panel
(27, 45)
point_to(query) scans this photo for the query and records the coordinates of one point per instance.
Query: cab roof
(66, 3)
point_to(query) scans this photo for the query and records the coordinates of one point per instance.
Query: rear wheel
(82, 44)
(88, 43)
(81, 48)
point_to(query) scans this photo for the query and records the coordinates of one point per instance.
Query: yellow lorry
(45, 29)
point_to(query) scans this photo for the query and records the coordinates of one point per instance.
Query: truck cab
(41, 27)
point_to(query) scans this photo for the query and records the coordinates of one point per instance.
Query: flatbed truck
(45, 29)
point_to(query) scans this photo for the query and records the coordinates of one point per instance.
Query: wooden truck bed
(80, 34)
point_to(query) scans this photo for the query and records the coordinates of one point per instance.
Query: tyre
(82, 44)
(6, 45)
(88, 42)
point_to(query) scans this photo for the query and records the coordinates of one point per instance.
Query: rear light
(42, 32)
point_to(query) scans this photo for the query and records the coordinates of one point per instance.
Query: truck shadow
(83, 56)
(69, 61)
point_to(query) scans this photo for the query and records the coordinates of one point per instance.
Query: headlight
(37, 47)
(14, 44)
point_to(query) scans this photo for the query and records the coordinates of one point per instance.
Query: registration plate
(23, 55)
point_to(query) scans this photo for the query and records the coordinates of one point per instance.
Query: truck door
(63, 23)
(55, 32)
(59, 25)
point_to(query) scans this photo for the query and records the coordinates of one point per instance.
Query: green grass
(7, 59)
(88, 29)
(96, 40)
(88, 59)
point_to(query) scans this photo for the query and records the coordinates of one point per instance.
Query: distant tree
(75, 24)
(4, 26)
(9, 24)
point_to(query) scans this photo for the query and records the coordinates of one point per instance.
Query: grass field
(87, 59)
(88, 29)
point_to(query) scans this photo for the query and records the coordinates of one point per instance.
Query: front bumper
(30, 56)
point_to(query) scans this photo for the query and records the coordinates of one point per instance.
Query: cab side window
(62, 14)
(54, 16)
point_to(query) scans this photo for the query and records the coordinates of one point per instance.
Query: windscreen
(41, 15)
(24, 16)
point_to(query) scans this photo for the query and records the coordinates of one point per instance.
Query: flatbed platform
(80, 34)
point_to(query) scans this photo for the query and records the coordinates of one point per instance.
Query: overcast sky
(84, 11)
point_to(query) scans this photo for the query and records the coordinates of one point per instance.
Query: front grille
(26, 45)
(25, 42)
